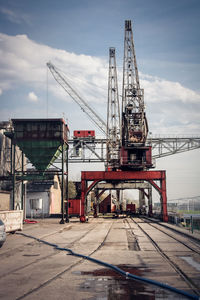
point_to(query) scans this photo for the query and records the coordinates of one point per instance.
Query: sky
(75, 36)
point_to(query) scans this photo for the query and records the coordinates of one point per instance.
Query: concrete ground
(33, 270)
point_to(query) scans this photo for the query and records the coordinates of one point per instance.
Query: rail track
(34, 242)
(54, 263)
(80, 260)
(19, 248)
(163, 253)
(167, 231)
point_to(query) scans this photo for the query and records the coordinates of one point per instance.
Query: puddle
(191, 262)
(109, 285)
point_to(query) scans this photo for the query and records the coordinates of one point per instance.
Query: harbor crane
(126, 140)
(135, 154)
(131, 149)
(128, 148)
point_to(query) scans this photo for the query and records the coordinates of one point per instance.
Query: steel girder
(122, 186)
(161, 147)
(113, 176)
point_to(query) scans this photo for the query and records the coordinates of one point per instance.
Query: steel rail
(67, 269)
(97, 261)
(175, 231)
(182, 274)
(19, 249)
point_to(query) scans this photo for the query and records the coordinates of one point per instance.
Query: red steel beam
(122, 175)
(150, 176)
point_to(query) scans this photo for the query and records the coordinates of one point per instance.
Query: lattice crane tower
(113, 114)
(134, 152)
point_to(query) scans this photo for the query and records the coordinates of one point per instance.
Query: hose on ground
(116, 269)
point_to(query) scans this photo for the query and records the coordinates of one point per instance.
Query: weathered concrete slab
(32, 270)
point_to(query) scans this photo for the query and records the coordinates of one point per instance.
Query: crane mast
(113, 114)
(76, 97)
(126, 140)
(134, 129)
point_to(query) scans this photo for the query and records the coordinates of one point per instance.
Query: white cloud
(32, 97)
(24, 61)
(170, 106)
(15, 16)
(1, 92)
(160, 90)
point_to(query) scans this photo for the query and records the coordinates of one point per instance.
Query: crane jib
(76, 97)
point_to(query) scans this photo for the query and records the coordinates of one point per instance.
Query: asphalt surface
(30, 269)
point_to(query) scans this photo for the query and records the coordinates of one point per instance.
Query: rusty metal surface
(40, 139)
(40, 129)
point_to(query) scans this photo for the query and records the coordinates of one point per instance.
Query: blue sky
(75, 36)
(166, 32)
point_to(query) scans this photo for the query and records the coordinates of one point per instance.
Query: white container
(13, 220)
(36, 203)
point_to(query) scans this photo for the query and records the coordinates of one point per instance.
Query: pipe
(116, 269)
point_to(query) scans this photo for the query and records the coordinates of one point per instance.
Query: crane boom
(76, 97)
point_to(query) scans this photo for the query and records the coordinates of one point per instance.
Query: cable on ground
(116, 269)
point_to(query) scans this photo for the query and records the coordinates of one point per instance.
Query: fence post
(191, 224)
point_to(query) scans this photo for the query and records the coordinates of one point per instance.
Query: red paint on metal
(84, 133)
(95, 204)
(74, 207)
(149, 156)
(84, 191)
(122, 175)
(82, 219)
(164, 200)
(113, 208)
(150, 176)
(131, 208)
(123, 156)
(105, 205)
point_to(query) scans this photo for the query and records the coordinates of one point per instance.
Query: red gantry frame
(96, 176)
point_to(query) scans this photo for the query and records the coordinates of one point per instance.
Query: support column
(62, 221)
(150, 201)
(83, 195)
(14, 179)
(142, 203)
(163, 195)
(164, 198)
(22, 184)
(118, 200)
(95, 204)
(67, 188)
(98, 195)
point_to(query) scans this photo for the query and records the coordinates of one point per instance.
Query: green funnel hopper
(40, 140)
